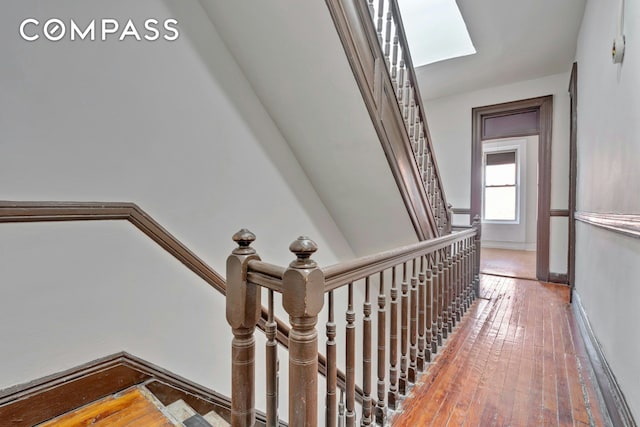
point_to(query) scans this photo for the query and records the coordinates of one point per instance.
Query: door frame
(544, 106)
(573, 172)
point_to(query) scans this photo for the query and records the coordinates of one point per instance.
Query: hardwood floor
(130, 408)
(506, 262)
(516, 360)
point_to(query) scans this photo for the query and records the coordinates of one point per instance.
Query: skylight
(435, 30)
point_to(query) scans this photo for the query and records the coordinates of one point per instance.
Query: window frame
(504, 147)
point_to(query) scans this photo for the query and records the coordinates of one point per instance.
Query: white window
(501, 192)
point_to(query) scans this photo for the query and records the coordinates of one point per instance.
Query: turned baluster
(350, 337)
(455, 277)
(413, 326)
(243, 309)
(476, 267)
(379, 21)
(271, 354)
(442, 333)
(409, 105)
(331, 408)
(366, 356)
(400, 93)
(382, 327)
(416, 127)
(440, 209)
(452, 286)
(393, 344)
(436, 338)
(387, 39)
(341, 409)
(421, 316)
(404, 332)
(432, 180)
(394, 61)
(429, 179)
(411, 124)
(372, 11)
(302, 299)
(467, 271)
(428, 309)
(472, 250)
(423, 154)
(461, 298)
(470, 279)
(461, 304)
(446, 314)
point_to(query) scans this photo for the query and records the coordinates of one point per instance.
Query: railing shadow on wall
(431, 285)
(375, 42)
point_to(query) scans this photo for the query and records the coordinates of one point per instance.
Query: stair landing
(131, 407)
(136, 406)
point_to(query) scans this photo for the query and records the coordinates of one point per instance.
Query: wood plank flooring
(507, 262)
(130, 408)
(516, 360)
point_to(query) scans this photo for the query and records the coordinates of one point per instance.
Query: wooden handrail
(412, 76)
(11, 211)
(406, 142)
(341, 274)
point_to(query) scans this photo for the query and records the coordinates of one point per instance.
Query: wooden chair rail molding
(433, 284)
(382, 66)
(628, 224)
(31, 211)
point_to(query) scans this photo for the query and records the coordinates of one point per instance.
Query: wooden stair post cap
(244, 238)
(303, 247)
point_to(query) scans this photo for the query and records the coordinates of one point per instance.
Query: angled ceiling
(515, 41)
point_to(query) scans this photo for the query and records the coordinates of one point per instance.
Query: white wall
(450, 126)
(607, 267)
(174, 127)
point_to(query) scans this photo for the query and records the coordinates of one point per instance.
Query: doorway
(523, 121)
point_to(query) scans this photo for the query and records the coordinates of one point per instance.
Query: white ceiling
(515, 40)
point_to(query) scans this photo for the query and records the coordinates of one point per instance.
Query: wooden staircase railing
(432, 285)
(375, 42)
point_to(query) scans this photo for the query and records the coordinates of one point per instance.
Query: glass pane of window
(500, 174)
(500, 203)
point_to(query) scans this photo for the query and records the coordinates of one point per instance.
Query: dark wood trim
(558, 278)
(519, 133)
(545, 106)
(461, 211)
(11, 211)
(30, 211)
(40, 400)
(573, 174)
(359, 40)
(615, 402)
(47, 398)
(559, 212)
(627, 224)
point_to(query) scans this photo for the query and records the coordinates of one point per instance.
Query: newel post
(303, 298)
(243, 313)
(449, 218)
(476, 268)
